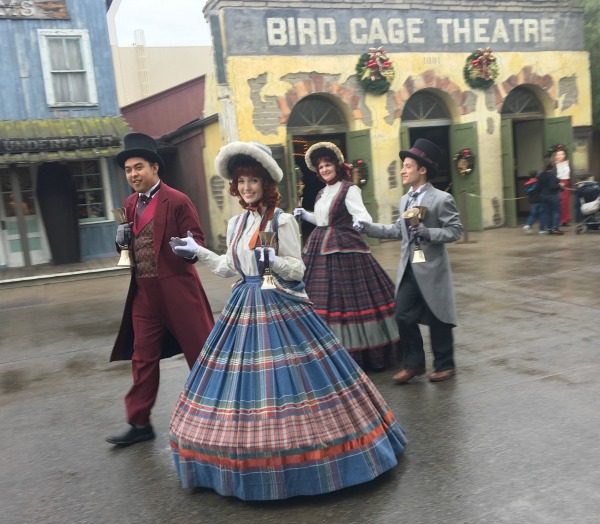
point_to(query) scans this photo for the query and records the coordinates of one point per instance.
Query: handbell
(268, 280)
(418, 255)
(267, 238)
(125, 259)
(415, 216)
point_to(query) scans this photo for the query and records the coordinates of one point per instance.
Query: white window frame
(106, 191)
(88, 64)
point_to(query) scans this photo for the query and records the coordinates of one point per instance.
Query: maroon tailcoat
(174, 216)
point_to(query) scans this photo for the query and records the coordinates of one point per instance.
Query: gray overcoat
(434, 276)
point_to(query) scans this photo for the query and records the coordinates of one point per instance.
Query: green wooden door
(508, 173)
(358, 147)
(404, 146)
(464, 136)
(404, 138)
(558, 131)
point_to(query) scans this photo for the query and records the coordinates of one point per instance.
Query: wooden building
(60, 127)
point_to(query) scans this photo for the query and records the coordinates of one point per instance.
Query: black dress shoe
(133, 435)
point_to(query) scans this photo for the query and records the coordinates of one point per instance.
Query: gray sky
(165, 22)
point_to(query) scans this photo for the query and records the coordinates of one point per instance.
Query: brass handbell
(125, 260)
(267, 238)
(418, 255)
(415, 215)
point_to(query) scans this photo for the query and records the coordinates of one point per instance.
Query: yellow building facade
(288, 74)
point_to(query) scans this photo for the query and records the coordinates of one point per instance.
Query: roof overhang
(55, 140)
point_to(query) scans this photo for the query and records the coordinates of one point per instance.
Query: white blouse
(288, 262)
(563, 170)
(354, 204)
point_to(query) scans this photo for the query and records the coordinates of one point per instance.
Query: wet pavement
(513, 439)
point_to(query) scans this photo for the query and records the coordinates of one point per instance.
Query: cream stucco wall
(381, 114)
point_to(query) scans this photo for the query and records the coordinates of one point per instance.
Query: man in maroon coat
(166, 311)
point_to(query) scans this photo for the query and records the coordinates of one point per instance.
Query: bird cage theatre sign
(285, 31)
(33, 9)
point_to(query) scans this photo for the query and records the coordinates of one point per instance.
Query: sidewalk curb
(38, 280)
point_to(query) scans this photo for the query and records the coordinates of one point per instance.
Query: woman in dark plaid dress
(274, 407)
(350, 290)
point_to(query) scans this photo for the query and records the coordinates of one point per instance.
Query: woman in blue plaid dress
(274, 406)
(350, 290)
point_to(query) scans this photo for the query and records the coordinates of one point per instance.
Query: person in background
(166, 311)
(563, 173)
(550, 189)
(350, 290)
(274, 407)
(532, 188)
(424, 291)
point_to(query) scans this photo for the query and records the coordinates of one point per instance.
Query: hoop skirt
(275, 407)
(355, 297)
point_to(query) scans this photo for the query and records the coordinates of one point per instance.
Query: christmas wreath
(359, 172)
(464, 161)
(375, 71)
(481, 69)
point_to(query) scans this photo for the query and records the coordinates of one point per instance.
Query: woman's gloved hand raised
(304, 215)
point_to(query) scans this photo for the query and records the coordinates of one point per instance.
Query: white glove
(270, 254)
(185, 247)
(361, 225)
(304, 215)
(123, 237)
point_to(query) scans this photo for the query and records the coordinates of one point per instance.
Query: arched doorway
(425, 115)
(523, 124)
(319, 118)
(527, 134)
(430, 114)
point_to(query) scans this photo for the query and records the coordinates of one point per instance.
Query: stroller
(587, 206)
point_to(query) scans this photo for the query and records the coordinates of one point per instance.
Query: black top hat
(426, 153)
(139, 144)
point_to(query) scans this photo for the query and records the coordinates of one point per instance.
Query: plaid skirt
(355, 297)
(275, 407)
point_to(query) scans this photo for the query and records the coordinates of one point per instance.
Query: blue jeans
(551, 214)
(535, 213)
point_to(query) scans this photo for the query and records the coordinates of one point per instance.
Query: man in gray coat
(424, 292)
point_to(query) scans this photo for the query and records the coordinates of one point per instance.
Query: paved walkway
(512, 440)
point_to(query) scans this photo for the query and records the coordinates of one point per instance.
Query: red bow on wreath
(483, 61)
(378, 63)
